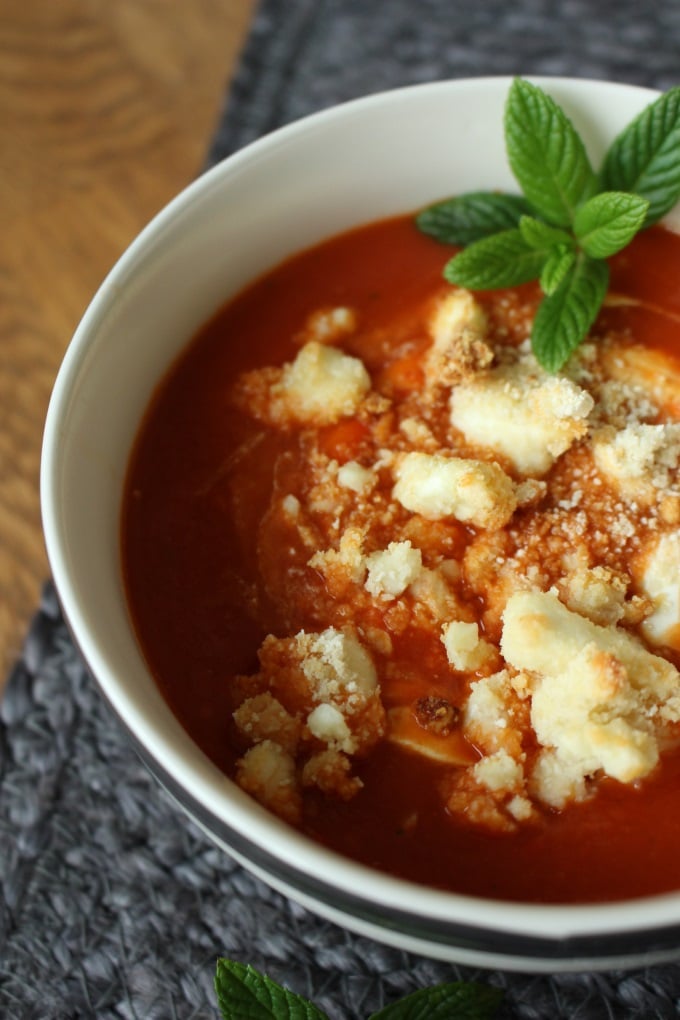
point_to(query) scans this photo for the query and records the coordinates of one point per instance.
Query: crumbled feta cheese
(495, 715)
(330, 771)
(327, 723)
(291, 506)
(595, 592)
(499, 771)
(465, 649)
(521, 412)
(267, 772)
(329, 324)
(650, 370)
(320, 386)
(392, 570)
(353, 476)
(335, 663)
(472, 491)
(640, 459)
(458, 328)
(347, 563)
(661, 582)
(457, 312)
(263, 717)
(598, 694)
(520, 808)
(435, 600)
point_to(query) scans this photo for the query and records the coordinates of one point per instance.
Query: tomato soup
(416, 596)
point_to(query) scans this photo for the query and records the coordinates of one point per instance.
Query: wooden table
(106, 111)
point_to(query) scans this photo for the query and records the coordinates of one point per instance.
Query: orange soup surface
(419, 598)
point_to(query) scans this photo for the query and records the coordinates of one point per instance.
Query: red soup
(416, 596)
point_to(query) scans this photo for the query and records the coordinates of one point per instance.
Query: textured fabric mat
(113, 904)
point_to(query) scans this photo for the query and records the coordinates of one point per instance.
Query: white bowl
(383, 155)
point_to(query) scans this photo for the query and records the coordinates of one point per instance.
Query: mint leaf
(608, 222)
(459, 1000)
(540, 235)
(245, 994)
(645, 157)
(557, 265)
(503, 260)
(564, 317)
(471, 217)
(546, 154)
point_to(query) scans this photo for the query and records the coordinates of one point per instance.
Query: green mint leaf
(503, 260)
(542, 236)
(645, 157)
(557, 265)
(245, 994)
(546, 154)
(459, 1000)
(470, 217)
(564, 317)
(608, 222)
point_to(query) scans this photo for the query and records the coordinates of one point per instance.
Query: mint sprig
(569, 219)
(243, 993)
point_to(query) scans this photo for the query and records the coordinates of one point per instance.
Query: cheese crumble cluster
(475, 560)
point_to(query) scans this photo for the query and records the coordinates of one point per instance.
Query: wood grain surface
(106, 111)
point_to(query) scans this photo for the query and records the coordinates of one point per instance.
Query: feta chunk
(600, 698)
(661, 582)
(327, 723)
(392, 570)
(263, 717)
(458, 328)
(521, 413)
(472, 491)
(641, 460)
(267, 772)
(499, 772)
(458, 312)
(595, 592)
(465, 650)
(322, 385)
(352, 475)
(327, 325)
(336, 664)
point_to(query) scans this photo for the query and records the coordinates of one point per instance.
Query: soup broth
(417, 597)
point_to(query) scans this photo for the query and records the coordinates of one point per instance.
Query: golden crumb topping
(486, 563)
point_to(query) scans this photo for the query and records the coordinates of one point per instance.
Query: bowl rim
(563, 925)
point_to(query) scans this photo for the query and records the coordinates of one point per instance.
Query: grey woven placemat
(113, 904)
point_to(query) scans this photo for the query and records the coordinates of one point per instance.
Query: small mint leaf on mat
(608, 222)
(245, 994)
(459, 1000)
(644, 158)
(502, 260)
(472, 216)
(546, 154)
(564, 317)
